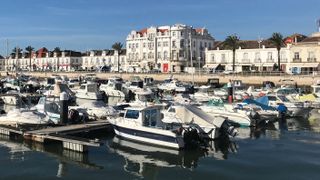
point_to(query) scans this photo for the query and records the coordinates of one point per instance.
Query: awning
(213, 66)
(314, 65)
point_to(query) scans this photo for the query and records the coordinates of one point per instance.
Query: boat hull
(149, 137)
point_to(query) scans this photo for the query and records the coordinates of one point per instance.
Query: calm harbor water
(255, 154)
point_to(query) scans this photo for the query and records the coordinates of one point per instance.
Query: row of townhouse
(66, 60)
(299, 54)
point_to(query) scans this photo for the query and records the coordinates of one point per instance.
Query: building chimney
(263, 46)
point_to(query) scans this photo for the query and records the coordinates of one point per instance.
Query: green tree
(278, 41)
(118, 47)
(232, 42)
(29, 49)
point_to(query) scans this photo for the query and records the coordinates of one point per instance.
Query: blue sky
(97, 24)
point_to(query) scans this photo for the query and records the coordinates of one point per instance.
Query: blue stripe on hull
(145, 134)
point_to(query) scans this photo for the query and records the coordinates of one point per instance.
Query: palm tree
(16, 51)
(277, 40)
(118, 47)
(29, 49)
(232, 42)
(57, 50)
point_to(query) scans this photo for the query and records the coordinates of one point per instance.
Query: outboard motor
(227, 129)
(191, 138)
(73, 116)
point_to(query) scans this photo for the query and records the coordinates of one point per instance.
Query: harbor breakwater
(302, 80)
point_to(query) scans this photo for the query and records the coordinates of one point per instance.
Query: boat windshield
(132, 114)
(118, 86)
(145, 97)
(284, 99)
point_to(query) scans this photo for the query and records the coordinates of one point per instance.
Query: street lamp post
(199, 58)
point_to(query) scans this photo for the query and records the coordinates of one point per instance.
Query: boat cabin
(316, 88)
(148, 81)
(144, 96)
(213, 82)
(146, 116)
(89, 87)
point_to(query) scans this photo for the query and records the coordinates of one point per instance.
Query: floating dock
(62, 134)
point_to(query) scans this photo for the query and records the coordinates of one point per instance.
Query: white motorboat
(20, 116)
(53, 91)
(113, 88)
(144, 124)
(294, 108)
(51, 108)
(204, 94)
(33, 82)
(172, 85)
(243, 118)
(90, 91)
(14, 98)
(98, 109)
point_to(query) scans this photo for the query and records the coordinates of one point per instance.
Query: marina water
(266, 153)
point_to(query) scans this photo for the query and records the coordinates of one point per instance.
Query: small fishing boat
(90, 90)
(144, 124)
(113, 88)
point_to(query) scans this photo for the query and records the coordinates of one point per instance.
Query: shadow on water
(143, 160)
(18, 148)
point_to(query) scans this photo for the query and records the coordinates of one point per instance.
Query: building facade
(168, 48)
(2, 63)
(44, 60)
(250, 56)
(97, 59)
(305, 55)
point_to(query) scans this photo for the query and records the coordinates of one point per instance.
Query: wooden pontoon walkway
(62, 134)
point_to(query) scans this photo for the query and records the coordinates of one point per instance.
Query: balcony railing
(245, 61)
(270, 60)
(312, 59)
(284, 60)
(258, 60)
(296, 60)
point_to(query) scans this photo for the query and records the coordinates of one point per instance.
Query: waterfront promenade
(249, 79)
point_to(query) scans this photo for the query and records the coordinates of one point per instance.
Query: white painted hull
(134, 133)
(92, 96)
(10, 100)
(114, 93)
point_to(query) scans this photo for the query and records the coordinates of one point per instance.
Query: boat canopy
(263, 102)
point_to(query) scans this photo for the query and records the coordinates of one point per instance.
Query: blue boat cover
(263, 102)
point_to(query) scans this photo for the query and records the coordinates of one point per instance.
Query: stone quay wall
(302, 80)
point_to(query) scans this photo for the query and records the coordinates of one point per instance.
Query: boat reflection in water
(273, 130)
(18, 150)
(140, 158)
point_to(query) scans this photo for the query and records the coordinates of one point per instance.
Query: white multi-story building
(168, 48)
(97, 59)
(251, 55)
